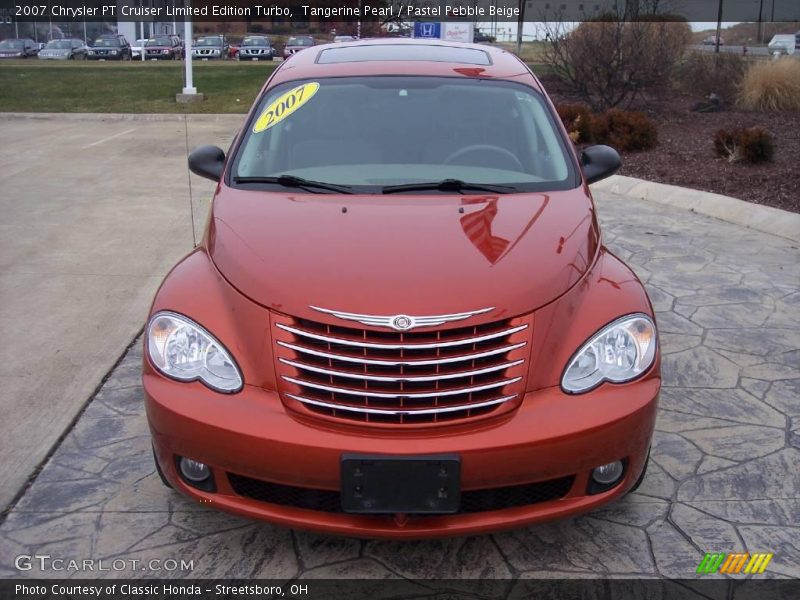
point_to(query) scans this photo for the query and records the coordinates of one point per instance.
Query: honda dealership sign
(423, 29)
(455, 31)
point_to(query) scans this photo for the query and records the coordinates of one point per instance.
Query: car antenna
(189, 175)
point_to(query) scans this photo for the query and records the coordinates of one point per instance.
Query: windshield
(162, 41)
(294, 41)
(209, 42)
(12, 45)
(255, 41)
(107, 43)
(372, 132)
(59, 45)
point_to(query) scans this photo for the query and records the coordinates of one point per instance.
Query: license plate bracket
(379, 484)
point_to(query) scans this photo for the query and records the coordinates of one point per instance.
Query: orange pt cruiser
(402, 321)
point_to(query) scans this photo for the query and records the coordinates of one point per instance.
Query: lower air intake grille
(471, 502)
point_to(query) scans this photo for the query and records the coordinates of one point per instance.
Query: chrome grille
(387, 378)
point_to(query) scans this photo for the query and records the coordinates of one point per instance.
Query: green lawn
(128, 87)
(131, 87)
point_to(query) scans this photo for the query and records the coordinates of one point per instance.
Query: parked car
(110, 47)
(782, 44)
(343, 38)
(711, 40)
(402, 321)
(64, 50)
(136, 49)
(480, 37)
(163, 47)
(210, 47)
(256, 47)
(297, 43)
(18, 48)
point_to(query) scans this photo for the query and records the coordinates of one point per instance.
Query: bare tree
(609, 61)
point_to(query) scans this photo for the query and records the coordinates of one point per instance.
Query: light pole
(719, 27)
(187, 61)
(189, 92)
(760, 34)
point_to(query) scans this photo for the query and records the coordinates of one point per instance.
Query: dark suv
(163, 47)
(109, 47)
(256, 47)
(211, 47)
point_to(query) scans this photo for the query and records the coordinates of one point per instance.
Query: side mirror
(600, 162)
(207, 161)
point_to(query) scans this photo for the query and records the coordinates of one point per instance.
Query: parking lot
(84, 244)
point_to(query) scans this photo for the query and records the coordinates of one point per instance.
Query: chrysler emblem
(402, 322)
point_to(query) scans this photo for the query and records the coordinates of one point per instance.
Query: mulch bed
(685, 152)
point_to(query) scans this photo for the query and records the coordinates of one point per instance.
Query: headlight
(619, 352)
(181, 349)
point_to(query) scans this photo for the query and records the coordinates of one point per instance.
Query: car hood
(416, 255)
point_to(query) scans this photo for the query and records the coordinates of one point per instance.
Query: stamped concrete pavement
(723, 475)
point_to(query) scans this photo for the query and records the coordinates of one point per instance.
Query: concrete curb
(761, 218)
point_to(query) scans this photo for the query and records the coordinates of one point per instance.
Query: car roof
(406, 56)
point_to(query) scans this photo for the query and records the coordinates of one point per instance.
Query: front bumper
(552, 435)
(105, 56)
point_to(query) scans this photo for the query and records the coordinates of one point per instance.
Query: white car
(136, 49)
(782, 44)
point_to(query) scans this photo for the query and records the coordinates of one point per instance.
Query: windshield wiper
(449, 185)
(296, 182)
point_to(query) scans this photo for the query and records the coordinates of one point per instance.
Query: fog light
(194, 471)
(607, 474)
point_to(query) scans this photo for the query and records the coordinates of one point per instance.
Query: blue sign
(427, 30)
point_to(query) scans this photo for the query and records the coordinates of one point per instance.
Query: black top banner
(386, 11)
